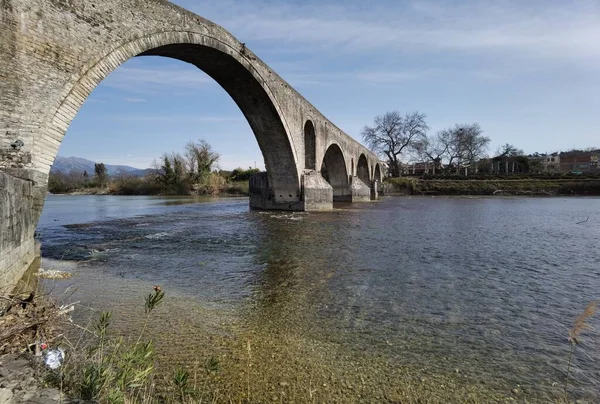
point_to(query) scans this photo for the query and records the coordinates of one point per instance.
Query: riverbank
(29, 323)
(236, 188)
(525, 187)
(103, 365)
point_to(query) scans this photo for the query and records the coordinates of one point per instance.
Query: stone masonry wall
(17, 227)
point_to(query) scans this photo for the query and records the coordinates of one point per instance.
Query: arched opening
(310, 146)
(333, 169)
(362, 170)
(229, 68)
(377, 175)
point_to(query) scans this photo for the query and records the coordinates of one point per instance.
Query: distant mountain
(78, 164)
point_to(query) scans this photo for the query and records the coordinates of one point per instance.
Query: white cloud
(550, 30)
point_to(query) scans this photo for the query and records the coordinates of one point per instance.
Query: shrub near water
(111, 369)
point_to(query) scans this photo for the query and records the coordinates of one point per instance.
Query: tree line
(459, 149)
(398, 136)
(193, 171)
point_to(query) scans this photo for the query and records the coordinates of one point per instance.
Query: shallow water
(476, 291)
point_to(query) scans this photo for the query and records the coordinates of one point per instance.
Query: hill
(78, 164)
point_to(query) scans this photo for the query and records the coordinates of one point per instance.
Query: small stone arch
(310, 146)
(377, 173)
(362, 170)
(333, 169)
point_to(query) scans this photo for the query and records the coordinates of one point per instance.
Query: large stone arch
(227, 65)
(333, 169)
(362, 170)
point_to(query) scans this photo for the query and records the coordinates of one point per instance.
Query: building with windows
(579, 161)
(551, 163)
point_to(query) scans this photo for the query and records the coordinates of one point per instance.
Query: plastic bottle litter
(54, 358)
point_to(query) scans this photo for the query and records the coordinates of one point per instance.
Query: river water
(448, 298)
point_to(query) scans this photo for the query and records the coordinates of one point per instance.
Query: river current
(344, 306)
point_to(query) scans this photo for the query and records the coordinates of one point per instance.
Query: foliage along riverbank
(189, 173)
(147, 186)
(493, 186)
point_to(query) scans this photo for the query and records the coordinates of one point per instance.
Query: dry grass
(26, 319)
(581, 321)
(579, 326)
(542, 187)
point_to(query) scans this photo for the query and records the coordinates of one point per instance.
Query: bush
(238, 188)
(135, 186)
(110, 369)
(211, 184)
(239, 174)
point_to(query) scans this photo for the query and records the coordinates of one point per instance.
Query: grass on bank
(542, 187)
(105, 368)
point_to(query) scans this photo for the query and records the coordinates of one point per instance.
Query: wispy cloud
(551, 30)
(360, 77)
(135, 100)
(388, 77)
(156, 80)
(174, 118)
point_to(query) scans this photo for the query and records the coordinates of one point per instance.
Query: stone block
(316, 191)
(17, 227)
(361, 192)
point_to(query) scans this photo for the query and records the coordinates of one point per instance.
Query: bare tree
(467, 144)
(200, 158)
(509, 150)
(178, 162)
(393, 134)
(436, 149)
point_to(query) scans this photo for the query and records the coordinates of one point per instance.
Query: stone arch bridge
(53, 53)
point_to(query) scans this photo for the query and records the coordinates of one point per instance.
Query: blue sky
(527, 71)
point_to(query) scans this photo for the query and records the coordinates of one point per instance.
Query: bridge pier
(374, 190)
(316, 195)
(359, 191)
(18, 219)
(263, 197)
